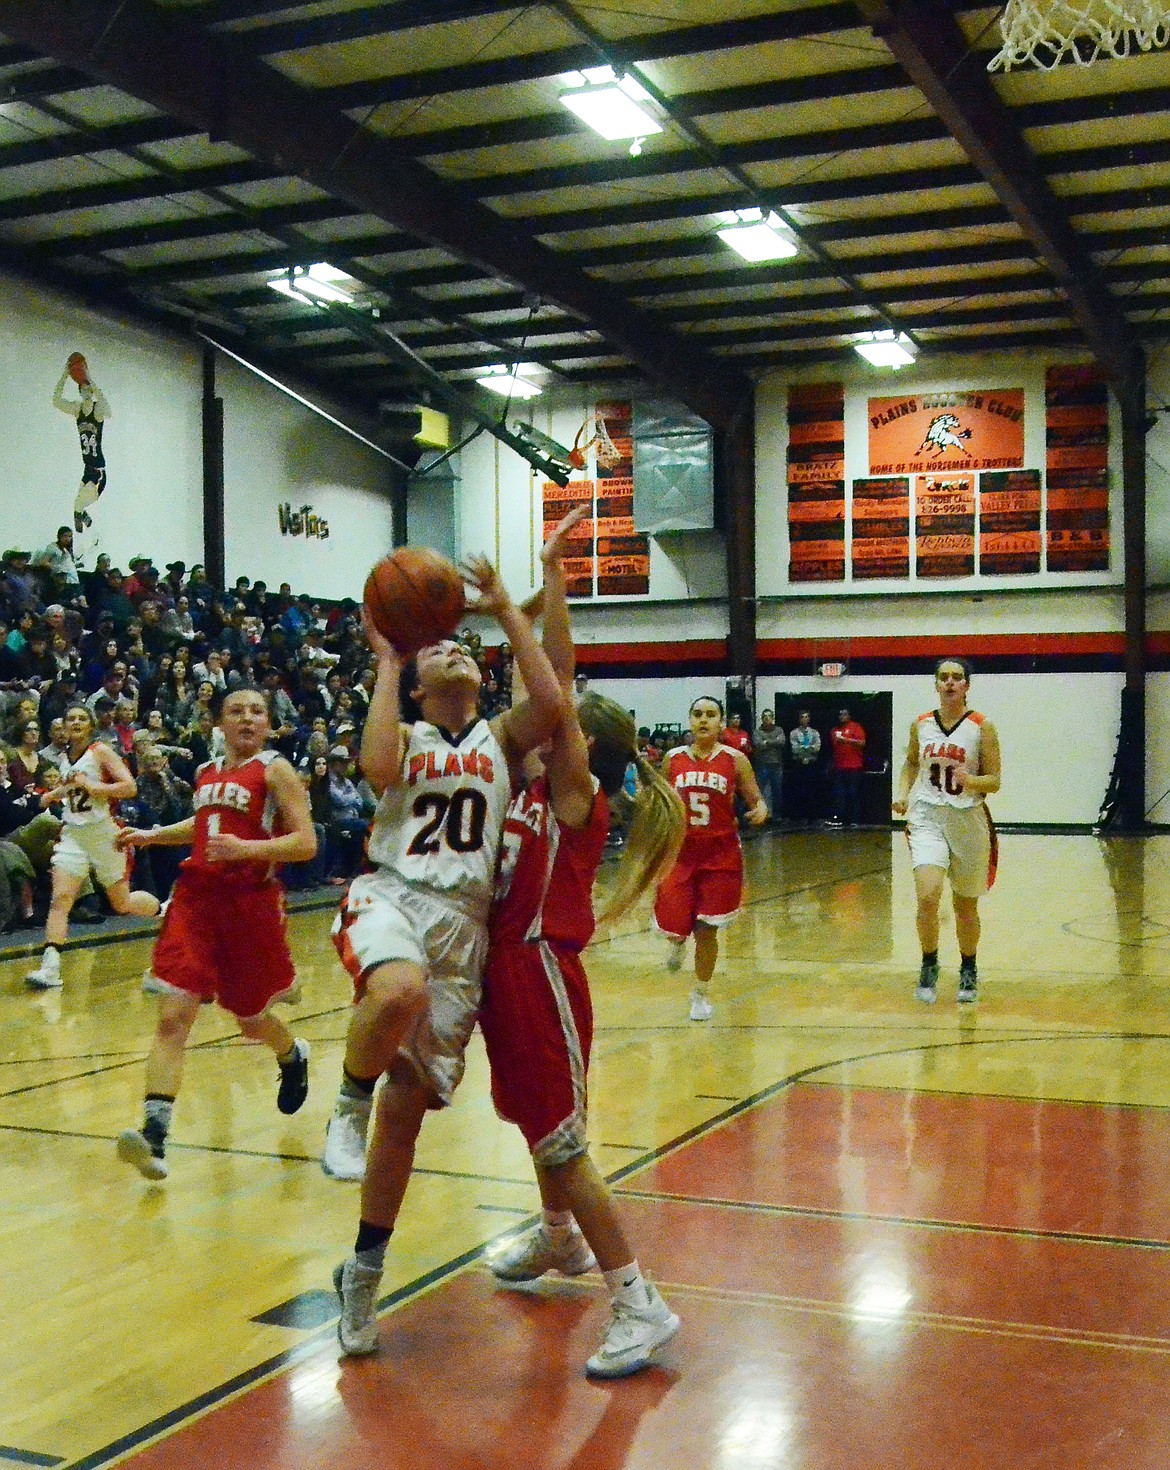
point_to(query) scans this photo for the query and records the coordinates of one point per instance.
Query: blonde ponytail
(653, 838)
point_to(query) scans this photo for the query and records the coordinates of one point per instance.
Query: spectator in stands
(174, 579)
(18, 583)
(200, 594)
(19, 710)
(736, 737)
(349, 822)
(771, 745)
(115, 601)
(38, 666)
(155, 641)
(177, 624)
(210, 671)
(57, 748)
(19, 630)
(104, 731)
(61, 695)
(9, 663)
(94, 583)
(113, 682)
(27, 767)
(848, 748)
(135, 588)
(125, 714)
(804, 744)
(58, 558)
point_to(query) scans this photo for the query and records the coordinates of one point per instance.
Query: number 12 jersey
(440, 829)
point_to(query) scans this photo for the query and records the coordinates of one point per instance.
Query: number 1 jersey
(940, 753)
(440, 829)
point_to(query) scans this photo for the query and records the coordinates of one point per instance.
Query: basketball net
(1046, 32)
(593, 435)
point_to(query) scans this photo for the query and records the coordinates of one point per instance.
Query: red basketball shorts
(225, 944)
(537, 1023)
(700, 890)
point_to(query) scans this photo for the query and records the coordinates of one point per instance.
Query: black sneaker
(968, 987)
(294, 1079)
(927, 983)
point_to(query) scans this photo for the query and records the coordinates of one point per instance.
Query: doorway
(875, 714)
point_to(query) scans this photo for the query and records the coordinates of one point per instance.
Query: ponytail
(656, 830)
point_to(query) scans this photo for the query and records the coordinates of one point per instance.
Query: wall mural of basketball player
(91, 410)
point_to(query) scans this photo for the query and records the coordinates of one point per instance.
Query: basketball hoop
(605, 450)
(1046, 32)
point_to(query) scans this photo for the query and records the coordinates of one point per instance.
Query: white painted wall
(277, 452)
(152, 443)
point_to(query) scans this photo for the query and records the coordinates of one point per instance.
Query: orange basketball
(414, 597)
(77, 368)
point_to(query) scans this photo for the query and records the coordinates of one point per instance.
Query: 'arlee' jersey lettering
(707, 788)
(941, 753)
(440, 829)
(232, 801)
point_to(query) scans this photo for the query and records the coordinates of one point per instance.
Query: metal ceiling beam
(937, 58)
(201, 78)
(351, 25)
(130, 191)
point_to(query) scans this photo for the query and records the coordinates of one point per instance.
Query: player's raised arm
(526, 725)
(382, 737)
(558, 634)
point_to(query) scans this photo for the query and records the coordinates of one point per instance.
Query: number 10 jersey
(440, 829)
(941, 752)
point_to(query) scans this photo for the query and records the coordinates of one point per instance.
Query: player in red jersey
(536, 1016)
(224, 936)
(702, 891)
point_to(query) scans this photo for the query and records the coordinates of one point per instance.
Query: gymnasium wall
(276, 452)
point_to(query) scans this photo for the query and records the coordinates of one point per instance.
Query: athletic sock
(157, 1119)
(628, 1285)
(557, 1223)
(370, 1247)
(967, 962)
(931, 958)
(357, 1087)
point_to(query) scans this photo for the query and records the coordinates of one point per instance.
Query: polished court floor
(897, 1235)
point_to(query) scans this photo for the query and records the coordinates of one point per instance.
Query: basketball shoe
(357, 1290)
(927, 983)
(47, 975)
(294, 1079)
(633, 1336)
(701, 1007)
(968, 985)
(144, 1150)
(536, 1251)
(345, 1138)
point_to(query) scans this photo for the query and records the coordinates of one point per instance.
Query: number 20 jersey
(440, 829)
(940, 753)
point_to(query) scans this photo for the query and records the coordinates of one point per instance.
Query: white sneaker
(152, 985)
(534, 1252)
(135, 1148)
(344, 1156)
(633, 1336)
(357, 1290)
(674, 955)
(47, 975)
(701, 1007)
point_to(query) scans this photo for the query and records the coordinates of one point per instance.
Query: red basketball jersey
(232, 801)
(707, 788)
(545, 884)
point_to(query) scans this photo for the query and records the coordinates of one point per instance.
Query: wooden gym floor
(897, 1235)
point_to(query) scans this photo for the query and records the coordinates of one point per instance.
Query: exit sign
(832, 670)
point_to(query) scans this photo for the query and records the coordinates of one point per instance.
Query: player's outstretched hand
(493, 597)
(557, 544)
(132, 837)
(380, 646)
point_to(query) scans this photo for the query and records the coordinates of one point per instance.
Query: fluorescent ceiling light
(757, 237)
(321, 281)
(511, 382)
(613, 107)
(886, 349)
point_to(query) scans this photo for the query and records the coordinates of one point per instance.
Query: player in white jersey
(413, 933)
(952, 764)
(94, 776)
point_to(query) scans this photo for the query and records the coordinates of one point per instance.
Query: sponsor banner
(881, 528)
(622, 557)
(1009, 522)
(920, 432)
(559, 500)
(816, 482)
(944, 525)
(1076, 426)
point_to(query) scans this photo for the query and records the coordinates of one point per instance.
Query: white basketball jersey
(440, 829)
(941, 752)
(79, 809)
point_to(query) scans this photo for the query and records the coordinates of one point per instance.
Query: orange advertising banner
(944, 525)
(816, 482)
(1009, 522)
(559, 500)
(1076, 428)
(623, 556)
(881, 528)
(982, 429)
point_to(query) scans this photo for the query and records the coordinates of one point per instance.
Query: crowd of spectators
(149, 652)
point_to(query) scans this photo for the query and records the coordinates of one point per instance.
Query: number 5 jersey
(942, 752)
(440, 829)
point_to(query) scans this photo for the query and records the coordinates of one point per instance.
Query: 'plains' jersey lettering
(941, 753)
(440, 828)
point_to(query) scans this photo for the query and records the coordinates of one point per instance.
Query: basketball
(414, 598)
(77, 368)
